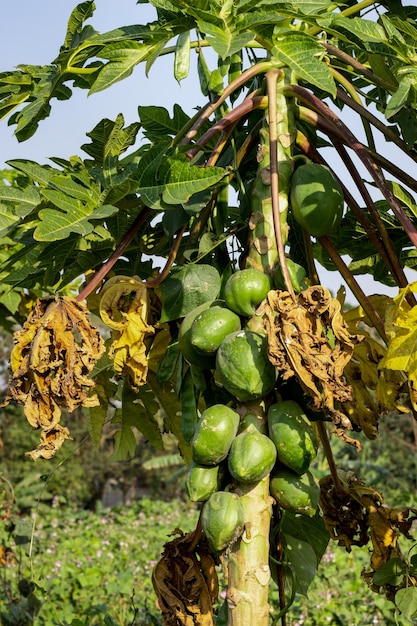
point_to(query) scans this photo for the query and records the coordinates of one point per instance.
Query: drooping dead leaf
(309, 338)
(356, 514)
(52, 358)
(401, 330)
(124, 308)
(376, 390)
(185, 581)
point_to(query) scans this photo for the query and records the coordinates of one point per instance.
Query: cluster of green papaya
(229, 451)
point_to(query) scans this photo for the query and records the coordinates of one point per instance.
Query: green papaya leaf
(138, 412)
(122, 56)
(69, 216)
(224, 39)
(301, 53)
(79, 15)
(305, 540)
(391, 573)
(172, 178)
(186, 288)
(406, 602)
(157, 123)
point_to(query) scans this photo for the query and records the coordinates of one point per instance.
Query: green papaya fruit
(293, 435)
(243, 367)
(297, 276)
(222, 520)
(211, 326)
(316, 199)
(201, 481)
(252, 456)
(190, 354)
(214, 434)
(294, 493)
(245, 290)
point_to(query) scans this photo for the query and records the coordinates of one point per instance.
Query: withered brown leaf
(185, 581)
(52, 358)
(309, 338)
(356, 514)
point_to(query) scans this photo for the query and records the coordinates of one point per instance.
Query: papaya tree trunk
(248, 568)
(249, 573)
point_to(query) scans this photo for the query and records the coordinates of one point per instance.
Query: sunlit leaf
(303, 55)
(186, 288)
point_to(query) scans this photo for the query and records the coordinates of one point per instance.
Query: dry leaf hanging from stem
(52, 358)
(308, 338)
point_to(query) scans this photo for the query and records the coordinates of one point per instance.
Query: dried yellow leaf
(124, 308)
(52, 358)
(401, 330)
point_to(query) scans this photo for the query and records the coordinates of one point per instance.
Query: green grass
(89, 569)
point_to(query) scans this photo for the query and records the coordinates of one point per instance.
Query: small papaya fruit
(201, 481)
(190, 354)
(222, 520)
(252, 456)
(211, 326)
(316, 199)
(214, 434)
(293, 435)
(245, 290)
(294, 493)
(243, 367)
(297, 276)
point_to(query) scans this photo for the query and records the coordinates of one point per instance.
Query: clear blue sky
(32, 32)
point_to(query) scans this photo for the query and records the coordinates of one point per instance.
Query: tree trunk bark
(248, 564)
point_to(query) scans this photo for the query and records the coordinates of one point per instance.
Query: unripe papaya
(243, 367)
(316, 199)
(214, 433)
(294, 493)
(293, 435)
(201, 481)
(245, 290)
(211, 326)
(297, 275)
(252, 456)
(222, 520)
(190, 354)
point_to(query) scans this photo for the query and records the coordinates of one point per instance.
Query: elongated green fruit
(214, 434)
(252, 456)
(293, 435)
(222, 520)
(316, 199)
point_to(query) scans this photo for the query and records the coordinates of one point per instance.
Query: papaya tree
(199, 241)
